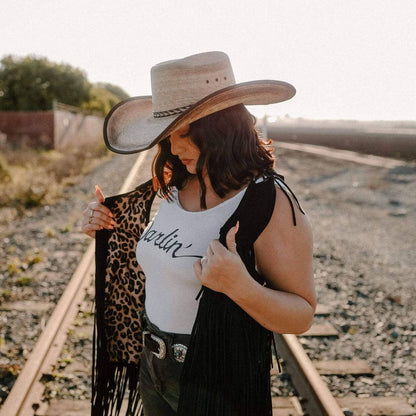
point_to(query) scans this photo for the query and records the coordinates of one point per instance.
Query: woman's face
(181, 145)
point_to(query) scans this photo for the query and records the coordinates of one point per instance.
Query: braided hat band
(158, 114)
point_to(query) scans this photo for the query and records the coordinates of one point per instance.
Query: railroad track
(26, 394)
(314, 397)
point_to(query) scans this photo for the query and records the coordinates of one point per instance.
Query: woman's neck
(190, 195)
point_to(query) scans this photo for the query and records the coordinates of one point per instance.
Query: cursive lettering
(169, 243)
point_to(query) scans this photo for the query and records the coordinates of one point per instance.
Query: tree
(100, 101)
(114, 89)
(33, 83)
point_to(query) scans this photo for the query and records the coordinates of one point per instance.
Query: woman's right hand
(97, 216)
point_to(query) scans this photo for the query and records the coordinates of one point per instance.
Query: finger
(90, 229)
(91, 215)
(101, 222)
(215, 247)
(95, 208)
(203, 262)
(97, 219)
(98, 207)
(87, 211)
(91, 226)
(90, 233)
(99, 196)
(230, 238)
(102, 216)
(198, 269)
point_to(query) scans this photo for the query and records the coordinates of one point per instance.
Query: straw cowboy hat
(184, 90)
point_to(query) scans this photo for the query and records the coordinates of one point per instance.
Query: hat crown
(181, 83)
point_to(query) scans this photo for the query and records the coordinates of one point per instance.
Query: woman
(227, 258)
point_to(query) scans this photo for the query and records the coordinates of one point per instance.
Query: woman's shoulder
(270, 187)
(286, 213)
(288, 222)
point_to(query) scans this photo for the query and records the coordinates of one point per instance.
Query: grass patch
(49, 232)
(32, 178)
(24, 281)
(5, 295)
(13, 268)
(32, 259)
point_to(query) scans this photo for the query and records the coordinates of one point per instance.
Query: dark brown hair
(230, 149)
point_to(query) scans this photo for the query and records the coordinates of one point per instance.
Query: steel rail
(314, 394)
(26, 394)
(347, 155)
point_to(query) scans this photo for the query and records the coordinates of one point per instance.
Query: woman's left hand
(221, 269)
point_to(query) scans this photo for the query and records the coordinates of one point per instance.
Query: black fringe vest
(227, 366)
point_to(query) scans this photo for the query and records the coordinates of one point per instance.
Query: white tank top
(167, 250)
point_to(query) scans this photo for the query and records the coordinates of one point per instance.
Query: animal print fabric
(124, 287)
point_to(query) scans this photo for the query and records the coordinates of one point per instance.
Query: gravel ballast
(364, 222)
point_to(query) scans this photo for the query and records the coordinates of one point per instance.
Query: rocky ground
(364, 222)
(39, 252)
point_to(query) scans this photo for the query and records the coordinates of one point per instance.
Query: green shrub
(31, 197)
(4, 170)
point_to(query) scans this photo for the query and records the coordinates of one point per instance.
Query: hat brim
(130, 126)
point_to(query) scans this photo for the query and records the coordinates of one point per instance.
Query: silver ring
(203, 259)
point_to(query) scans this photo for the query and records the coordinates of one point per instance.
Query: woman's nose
(174, 145)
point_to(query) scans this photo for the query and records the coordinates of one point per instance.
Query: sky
(352, 59)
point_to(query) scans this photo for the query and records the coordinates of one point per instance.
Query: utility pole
(264, 127)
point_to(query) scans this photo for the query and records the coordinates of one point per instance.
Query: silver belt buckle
(162, 347)
(179, 352)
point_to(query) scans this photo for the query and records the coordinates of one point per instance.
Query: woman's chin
(191, 170)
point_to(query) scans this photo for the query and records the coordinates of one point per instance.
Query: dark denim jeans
(159, 379)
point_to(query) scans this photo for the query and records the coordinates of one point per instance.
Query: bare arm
(284, 257)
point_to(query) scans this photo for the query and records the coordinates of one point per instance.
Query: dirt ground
(364, 223)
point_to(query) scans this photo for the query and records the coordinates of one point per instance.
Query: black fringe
(230, 373)
(279, 180)
(108, 396)
(110, 380)
(112, 377)
(227, 366)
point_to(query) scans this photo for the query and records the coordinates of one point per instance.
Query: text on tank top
(167, 250)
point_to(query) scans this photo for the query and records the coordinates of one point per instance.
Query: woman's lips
(186, 161)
